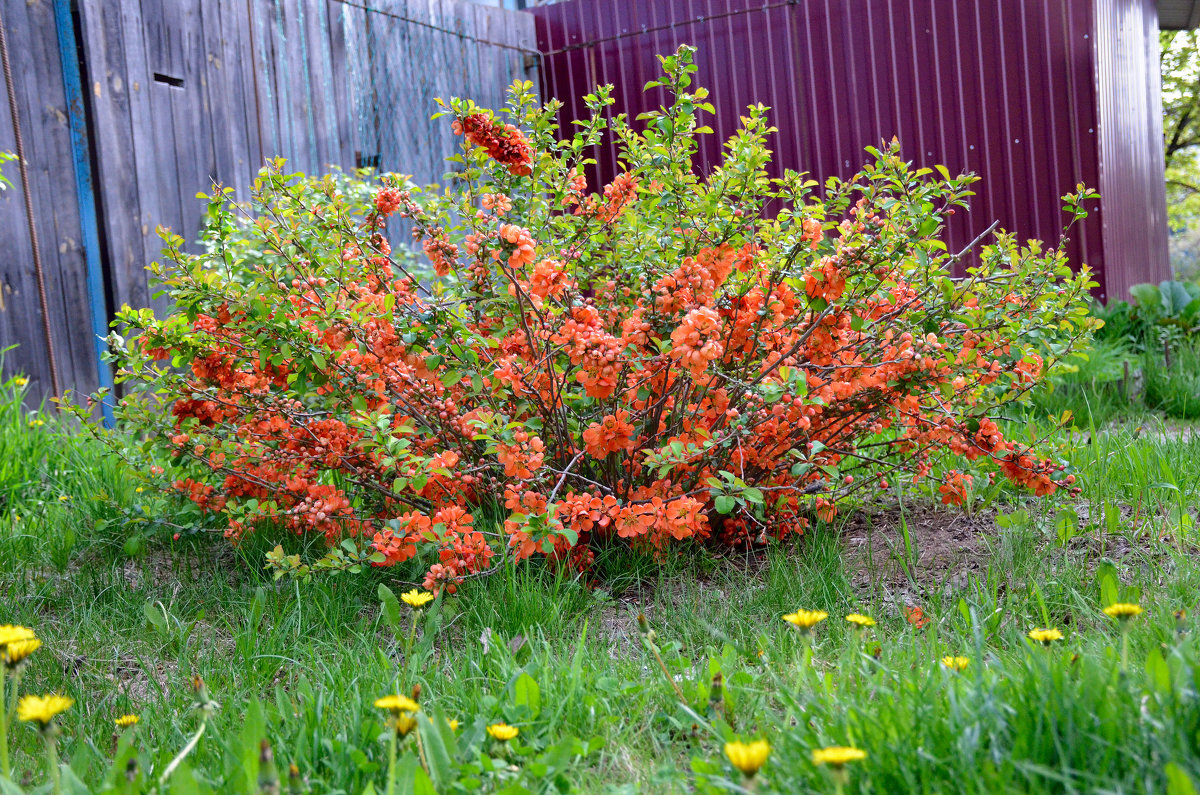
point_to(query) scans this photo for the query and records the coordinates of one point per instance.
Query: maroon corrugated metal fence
(1007, 89)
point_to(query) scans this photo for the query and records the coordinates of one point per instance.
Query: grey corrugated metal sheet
(1129, 105)
(1004, 88)
(1178, 14)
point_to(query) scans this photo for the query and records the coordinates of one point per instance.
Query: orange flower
(915, 616)
(610, 435)
(954, 488)
(549, 279)
(695, 342)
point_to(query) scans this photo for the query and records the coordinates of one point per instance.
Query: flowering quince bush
(662, 358)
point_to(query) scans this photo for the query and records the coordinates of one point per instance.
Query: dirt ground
(945, 547)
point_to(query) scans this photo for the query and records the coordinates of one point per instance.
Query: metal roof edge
(1178, 14)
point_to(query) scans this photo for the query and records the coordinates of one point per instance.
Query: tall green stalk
(187, 749)
(412, 635)
(51, 735)
(391, 778)
(1124, 648)
(6, 718)
(4, 765)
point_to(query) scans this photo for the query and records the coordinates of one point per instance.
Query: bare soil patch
(943, 547)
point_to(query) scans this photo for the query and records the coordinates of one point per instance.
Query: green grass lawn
(129, 616)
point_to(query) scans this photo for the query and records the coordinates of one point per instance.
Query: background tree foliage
(1180, 64)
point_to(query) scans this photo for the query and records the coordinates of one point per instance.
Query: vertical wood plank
(37, 69)
(237, 61)
(155, 131)
(319, 68)
(217, 100)
(20, 315)
(116, 174)
(344, 78)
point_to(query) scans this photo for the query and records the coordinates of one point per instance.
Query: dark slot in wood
(168, 80)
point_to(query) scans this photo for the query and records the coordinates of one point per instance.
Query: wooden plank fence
(182, 93)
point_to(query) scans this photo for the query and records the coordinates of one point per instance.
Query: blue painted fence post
(68, 51)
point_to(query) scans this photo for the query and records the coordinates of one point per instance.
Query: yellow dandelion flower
(20, 381)
(37, 423)
(805, 620)
(64, 498)
(837, 756)
(139, 490)
(403, 724)
(415, 598)
(956, 663)
(453, 724)
(860, 621)
(502, 731)
(42, 709)
(16, 651)
(125, 721)
(748, 757)
(397, 704)
(9, 633)
(1122, 611)
(1045, 636)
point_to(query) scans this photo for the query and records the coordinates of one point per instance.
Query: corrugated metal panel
(1178, 14)
(1004, 88)
(1131, 147)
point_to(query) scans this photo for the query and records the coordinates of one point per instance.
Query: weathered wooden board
(41, 99)
(184, 93)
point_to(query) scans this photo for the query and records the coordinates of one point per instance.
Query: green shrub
(656, 361)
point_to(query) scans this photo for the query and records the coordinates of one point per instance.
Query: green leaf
(156, 616)
(71, 785)
(253, 731)
(526, 693)
(1178, 781)
(1147, 296)
(1158, 675)
(135, 545)
(411, 778)
(183, 781)
(1106, 578)
(258, 608)
(1017, 520)
(1066, 525)
(390, 608)
(437, 751)
(1175, 298)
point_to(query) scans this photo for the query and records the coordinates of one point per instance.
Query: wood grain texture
(185, 93)
(41, 98)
